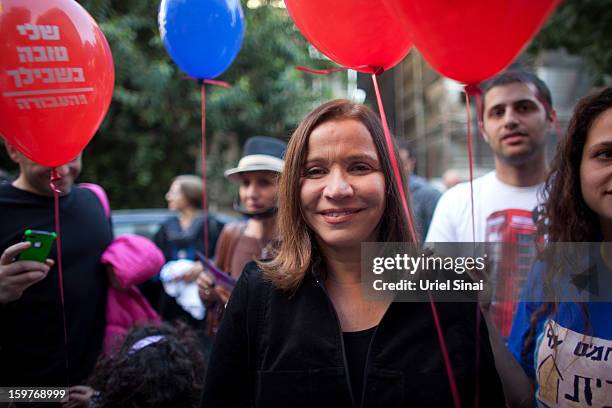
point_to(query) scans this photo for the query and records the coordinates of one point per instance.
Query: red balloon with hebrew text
(471, 41)
(56, 78)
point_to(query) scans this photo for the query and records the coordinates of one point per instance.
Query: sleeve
(160, 239)
(442, 227)
(221, 248)
(226, 245)
(432, 200)
(215, 226)
(228, 379)
(521, 324)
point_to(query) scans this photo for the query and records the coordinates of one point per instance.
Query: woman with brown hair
(298, 330)
(561, 333)
(179, 238)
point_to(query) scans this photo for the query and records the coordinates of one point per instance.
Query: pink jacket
(134, 260)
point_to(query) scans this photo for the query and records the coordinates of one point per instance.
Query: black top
(32, 350)
(177, 243)
(356, 345)
(281, 349)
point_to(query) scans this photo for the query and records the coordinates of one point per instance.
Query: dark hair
(168, 373)
(295, 250)
(191, 187)
(525, 77)
(566, 217)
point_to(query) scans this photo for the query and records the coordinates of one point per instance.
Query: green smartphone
(42, 241)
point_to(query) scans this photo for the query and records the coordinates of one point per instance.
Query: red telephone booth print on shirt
(515, 232)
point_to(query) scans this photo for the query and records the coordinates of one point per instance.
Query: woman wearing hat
(241, 242)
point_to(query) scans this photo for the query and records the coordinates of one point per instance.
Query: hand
(223, 294)
(17, 276)
(206, 288)
(194, 272)
(78, 396)
(112, 277)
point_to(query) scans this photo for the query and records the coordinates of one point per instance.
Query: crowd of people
(284, 319)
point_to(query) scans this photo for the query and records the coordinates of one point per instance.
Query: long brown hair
(566, 216)
(295, 250)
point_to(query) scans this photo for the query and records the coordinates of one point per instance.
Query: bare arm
(518, 387)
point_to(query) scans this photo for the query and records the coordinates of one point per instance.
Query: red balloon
(56, 77)
(471, 41)
(358, 34)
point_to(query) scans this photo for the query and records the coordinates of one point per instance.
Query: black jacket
(277, 350)
(32, 350)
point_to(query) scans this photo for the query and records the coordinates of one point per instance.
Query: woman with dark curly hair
(564, 345)
(156, 367)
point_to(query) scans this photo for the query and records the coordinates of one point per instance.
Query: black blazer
(274, 349)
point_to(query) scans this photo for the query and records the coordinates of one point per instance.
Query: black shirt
(356, 345)
(32, 350)
(283, 349)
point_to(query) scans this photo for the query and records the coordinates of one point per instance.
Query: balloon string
(447, 362)
(474, 90)
(407, 213)
(320, 71)
(203, 83)
(204, 194)
(470, 161)
(394, 165)
(477, 352)
(55, 177)
(222, 84)
(374, 70)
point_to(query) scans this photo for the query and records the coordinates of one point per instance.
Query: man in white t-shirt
(517, 116)
(516, 119)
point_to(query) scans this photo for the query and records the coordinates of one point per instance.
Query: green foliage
(152, 130)
(582, 27)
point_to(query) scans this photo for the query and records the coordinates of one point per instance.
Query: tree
(152, 132)
(583, 28)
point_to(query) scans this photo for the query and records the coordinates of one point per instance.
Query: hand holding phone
(17, 276)
(41, 244)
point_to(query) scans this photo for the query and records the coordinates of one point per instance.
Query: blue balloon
(202, 36)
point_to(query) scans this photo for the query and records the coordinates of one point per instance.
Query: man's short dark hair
(514, 76)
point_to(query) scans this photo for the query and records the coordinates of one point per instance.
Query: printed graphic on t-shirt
(573, 370)
(511, 261)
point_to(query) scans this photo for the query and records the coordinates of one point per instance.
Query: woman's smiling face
(596, 169)
(342, 186)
